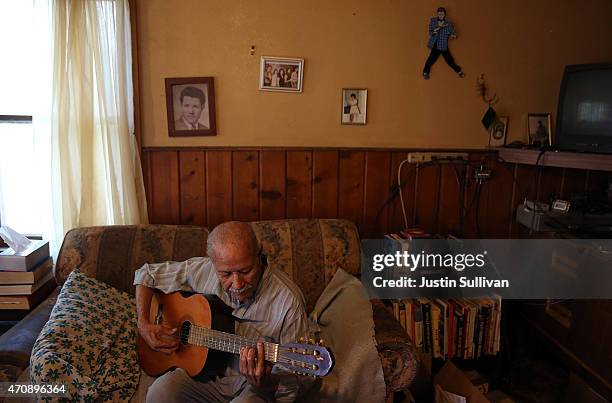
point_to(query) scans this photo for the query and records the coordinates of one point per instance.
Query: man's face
(192, 109)
(441, 15)
(238, 271)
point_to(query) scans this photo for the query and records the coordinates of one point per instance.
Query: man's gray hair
(232, 234)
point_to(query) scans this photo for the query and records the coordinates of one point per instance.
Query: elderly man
(265, 302)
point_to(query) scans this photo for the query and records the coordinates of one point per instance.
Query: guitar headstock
(307, 358)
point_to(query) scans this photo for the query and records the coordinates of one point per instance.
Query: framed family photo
(538, 129)
(190, 103)
(354, 106)
(281, 74)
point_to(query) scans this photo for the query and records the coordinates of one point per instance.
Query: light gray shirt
(276, 311)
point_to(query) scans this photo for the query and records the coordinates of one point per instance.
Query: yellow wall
(521, 46)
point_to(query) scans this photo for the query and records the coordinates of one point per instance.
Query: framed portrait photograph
(538, 129)
(354, 106)
(283, 74)
(498, 131)
(190, 103)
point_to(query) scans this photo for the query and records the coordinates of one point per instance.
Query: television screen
(585, 107)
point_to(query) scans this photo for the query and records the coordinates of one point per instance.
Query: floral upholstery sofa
(309, 250)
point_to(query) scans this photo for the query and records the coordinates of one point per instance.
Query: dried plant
(483, 91)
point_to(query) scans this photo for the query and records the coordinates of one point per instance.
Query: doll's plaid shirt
(440, 40)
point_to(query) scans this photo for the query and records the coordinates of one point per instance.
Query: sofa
(309, 250)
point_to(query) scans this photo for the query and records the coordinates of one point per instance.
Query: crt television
(584, 114)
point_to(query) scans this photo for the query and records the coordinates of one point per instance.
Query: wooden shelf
(562, 159)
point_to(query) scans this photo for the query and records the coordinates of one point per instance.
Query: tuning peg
(301, 339)
(311, 341)
(320, 342)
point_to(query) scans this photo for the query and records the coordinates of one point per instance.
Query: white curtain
(97, 177)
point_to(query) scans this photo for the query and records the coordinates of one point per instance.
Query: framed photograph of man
(354, 104)
(538, 129)
(190, 103)
(281, 74)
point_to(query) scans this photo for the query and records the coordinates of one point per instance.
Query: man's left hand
(256, 370)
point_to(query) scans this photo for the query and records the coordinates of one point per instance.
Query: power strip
(419, 158)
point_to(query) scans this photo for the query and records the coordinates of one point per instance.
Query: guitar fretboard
(230, 343)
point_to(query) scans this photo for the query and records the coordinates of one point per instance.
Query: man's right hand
(159, 338)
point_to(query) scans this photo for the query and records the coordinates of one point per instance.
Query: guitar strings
(232, 343)
(227, 341)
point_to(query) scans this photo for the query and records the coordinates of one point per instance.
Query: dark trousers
(433, 56)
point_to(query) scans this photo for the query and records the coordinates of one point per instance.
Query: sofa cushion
(89, 342)
(112, 253)
(310, 251)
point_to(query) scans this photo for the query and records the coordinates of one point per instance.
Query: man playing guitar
(265, 302)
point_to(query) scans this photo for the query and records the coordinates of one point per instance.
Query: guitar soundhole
(185, 329)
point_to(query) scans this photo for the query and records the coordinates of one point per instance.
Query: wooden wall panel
(299, 184)
(377, 169)
(408, 182)
(272, 176)
(192, 169)
(325, 184)
(350, 185)
(451, 199)
(210, 186)
(427, 201)
(164, 187)
(219, 187)
(245, 182)
(496, 219)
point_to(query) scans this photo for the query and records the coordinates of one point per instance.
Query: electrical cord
(401, 193)
(394, 190)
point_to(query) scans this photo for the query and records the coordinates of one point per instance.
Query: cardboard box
(451, 379)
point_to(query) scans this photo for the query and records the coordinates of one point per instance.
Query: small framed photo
(190, 103)
(283, 74)
(538, 129)
(354, 106)
(498, 131)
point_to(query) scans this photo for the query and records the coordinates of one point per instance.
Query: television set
(584, 114)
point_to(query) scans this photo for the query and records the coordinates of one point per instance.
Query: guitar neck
(230, 343)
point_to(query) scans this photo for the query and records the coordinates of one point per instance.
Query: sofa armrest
(397, 352)
(16, 344)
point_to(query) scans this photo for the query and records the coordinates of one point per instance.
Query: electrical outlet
(419, 158)
(482, 173)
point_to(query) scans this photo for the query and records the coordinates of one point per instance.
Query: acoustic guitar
(205, 329)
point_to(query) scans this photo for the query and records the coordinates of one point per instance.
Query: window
(25, 142)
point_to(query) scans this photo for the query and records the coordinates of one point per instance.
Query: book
(24, 289)
(427, 335)
(409, 318)
(26, 277)
(26, 260)
(442, 327)
(28, 301)
(436, 331)
(418, 325)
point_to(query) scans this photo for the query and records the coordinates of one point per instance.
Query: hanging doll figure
(440, 31)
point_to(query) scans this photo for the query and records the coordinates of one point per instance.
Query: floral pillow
(89, 342)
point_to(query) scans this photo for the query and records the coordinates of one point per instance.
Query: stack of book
(454, 328)
(26, 278)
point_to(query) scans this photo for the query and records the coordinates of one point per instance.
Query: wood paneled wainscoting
(207, 186)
